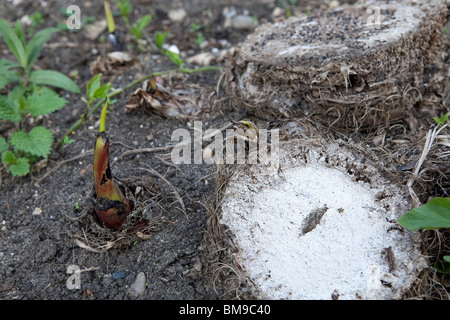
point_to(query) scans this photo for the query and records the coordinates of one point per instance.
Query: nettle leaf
(8, 158)
(9, 110)
(54, 78)
(435, 214)
(37, 142)
(17, 166)
(3, 144)
(8, 73)
(13, 42)
(44, 101)
(36, 44)
(20, 168)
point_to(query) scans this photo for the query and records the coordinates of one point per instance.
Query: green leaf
(36, 44)
(8, 73)
(442, 120)
(194, 27)
(175, 57)
(442, 267)
(446, 258)
(44, 101)
(9, 110)
(20, 168)
(143, 22)
(140, 25)
(200, 39)
(3, 144)
(160, 39)
(8, 158)
(37, 142)
(434, 214)
(102, 92)
(13, 42)
(19, 32)
(54, 78)
(17, 166)
(93, 85)
(66, 141)
(124, 7)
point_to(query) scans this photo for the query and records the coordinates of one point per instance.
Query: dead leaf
(210, 58)
(192, 101)
(113, 62)
(93, 31)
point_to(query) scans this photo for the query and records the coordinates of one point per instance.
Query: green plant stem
(90, 111)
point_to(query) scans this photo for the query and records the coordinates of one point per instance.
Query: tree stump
(356, 67)
(323, 226)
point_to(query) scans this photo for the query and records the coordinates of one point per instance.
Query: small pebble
(243, 22)
(118, 275)
(137, 289)
(177, 15)
(173, 48)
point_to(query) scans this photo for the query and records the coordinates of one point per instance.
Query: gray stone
(137, 289)
(243, 22)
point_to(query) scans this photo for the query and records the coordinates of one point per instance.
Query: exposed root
(431, 137)
(223, 272)
(177, 195)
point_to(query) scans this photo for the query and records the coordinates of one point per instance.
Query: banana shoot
(111, 206)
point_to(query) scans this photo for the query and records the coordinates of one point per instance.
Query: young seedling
(160, 39)
(442, 120)
(200, 38)
(112, 35)
(287, 6)
(137, 28)
(96, 93)
(111, 206)
(30, 97)
(172, 52)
